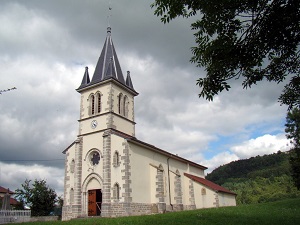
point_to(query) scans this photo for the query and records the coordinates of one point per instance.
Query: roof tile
(209, 184)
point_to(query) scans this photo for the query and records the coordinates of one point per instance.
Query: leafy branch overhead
(6, 90)
(292, 129)
(251, 40)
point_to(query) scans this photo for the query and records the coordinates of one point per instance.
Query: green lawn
(282, 213)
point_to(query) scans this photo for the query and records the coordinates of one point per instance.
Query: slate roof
(209, 184)
(108, 67)
(163, 152)
(134, 140)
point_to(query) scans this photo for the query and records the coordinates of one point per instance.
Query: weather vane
(109, 13)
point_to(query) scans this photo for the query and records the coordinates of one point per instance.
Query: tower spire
(86, 78)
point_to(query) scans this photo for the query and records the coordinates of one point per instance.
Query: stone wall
(44, 218)
(132, 209)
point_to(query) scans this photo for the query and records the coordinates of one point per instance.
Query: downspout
(169, 183)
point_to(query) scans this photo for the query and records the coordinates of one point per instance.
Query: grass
(286, 212)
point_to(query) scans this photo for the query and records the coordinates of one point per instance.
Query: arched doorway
(92, 194)
(94, 202)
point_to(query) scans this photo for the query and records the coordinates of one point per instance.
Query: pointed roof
(128, 81)
(107, 67)
(86, 78)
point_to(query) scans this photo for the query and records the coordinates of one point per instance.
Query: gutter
(170, 199)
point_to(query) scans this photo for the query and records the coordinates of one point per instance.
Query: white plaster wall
(141, 171)
(70, 154)
(185, 190)
(92, 184)
(226, 199)
(140, 174)
(91, 143)
(124, 125)
(196, 171)
(204, 201)
(116, 172)
(152, 180)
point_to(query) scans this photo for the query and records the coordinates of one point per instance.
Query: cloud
(219, 160)
(262, 145)
(266, 144)
(13, 175)
(44, 47)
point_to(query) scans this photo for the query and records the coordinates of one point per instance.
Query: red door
(94, 202)
(92, 208)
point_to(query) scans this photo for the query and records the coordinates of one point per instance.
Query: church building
(111, 173)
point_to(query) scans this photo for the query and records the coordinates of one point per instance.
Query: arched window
(98, 102)
(125, 106)
(71, 196)
(116, 159)
(92, 104)
(72, 166)
(203, 191)
(120, 103)
(116, 191)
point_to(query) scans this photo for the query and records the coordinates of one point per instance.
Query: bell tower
(107, 101)
(106, 108)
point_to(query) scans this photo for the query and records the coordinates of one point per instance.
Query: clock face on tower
(94, 124)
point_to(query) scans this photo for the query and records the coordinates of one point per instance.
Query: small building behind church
(111, 173)
(12, 201)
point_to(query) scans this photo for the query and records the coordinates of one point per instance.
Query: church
(111, 173)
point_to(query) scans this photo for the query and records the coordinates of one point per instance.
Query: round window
(95, 158)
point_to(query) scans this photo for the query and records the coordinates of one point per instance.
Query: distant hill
(266, 166)
(257, 179)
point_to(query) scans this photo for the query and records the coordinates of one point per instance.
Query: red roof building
(3, 191)
(209, 184)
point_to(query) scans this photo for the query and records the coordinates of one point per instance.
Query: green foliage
(293, 133)
(19, 206)
(293, 126)
(39, 197)
(260, 190)
(258, 179)
(275, 164)
(276, 213)
(295, 164)
(290, 95)
(250, 40)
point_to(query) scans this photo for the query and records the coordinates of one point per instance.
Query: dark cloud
(44, 47)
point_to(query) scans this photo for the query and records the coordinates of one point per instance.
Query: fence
(14, 216)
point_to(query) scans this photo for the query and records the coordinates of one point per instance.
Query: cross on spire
(109, 13)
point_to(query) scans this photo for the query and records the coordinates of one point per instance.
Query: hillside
(275, 213)
(258, 179)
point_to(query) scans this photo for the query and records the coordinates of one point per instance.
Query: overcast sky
(44, 48)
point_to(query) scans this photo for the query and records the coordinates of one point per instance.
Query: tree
(252, 40)
(39, 197)
(293, 133)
